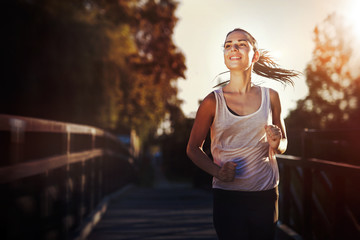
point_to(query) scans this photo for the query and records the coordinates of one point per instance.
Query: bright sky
(283, 27)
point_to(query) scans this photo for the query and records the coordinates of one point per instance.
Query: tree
(107, 63)
(57, 62)
(158, 63)
(334, 93)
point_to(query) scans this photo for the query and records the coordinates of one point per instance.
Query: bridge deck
(165, 212)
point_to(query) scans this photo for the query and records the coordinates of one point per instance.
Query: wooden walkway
(166, 211)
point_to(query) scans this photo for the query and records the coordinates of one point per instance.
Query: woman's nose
(234, 47)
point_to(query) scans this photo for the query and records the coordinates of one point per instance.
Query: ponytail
(266, 67)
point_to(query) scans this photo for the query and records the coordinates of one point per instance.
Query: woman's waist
(240, 154)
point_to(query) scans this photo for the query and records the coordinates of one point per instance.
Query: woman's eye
(236, 45)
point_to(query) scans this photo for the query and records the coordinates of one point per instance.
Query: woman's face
(238, 52)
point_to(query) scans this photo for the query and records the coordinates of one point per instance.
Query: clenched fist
(227, 172)
(273, 135)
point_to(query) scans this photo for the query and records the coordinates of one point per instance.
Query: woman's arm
(276, 133)
(204, 118)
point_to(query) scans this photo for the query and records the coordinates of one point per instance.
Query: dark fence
(54, 174)
(319, 198)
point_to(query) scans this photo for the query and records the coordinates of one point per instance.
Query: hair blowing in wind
(266, 66)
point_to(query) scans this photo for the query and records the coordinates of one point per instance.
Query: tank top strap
(220, 111)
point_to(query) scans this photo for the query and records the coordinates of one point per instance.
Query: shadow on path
(167, 211)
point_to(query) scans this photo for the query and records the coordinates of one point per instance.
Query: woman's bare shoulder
(273, 93)
(208, 104)
(275, 101)
(210, 98)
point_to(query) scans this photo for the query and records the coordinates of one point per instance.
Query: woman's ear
(256, 56)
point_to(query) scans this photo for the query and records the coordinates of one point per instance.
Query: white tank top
(242, 139)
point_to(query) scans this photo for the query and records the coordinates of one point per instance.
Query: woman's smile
(235, 58)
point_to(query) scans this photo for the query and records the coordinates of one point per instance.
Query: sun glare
(353, 16)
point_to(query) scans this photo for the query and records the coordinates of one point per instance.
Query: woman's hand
(227, 172)
(273, 135)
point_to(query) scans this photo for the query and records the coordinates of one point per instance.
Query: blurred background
(140, 67)
(99, 94)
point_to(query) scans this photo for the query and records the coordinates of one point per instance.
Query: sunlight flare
(353, 17)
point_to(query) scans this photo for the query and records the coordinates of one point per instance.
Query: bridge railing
(320, 198)
(54, 174)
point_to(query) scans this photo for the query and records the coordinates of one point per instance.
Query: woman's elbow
(283, 146)
(189, 151)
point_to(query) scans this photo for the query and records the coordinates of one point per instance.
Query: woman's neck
(240, 82)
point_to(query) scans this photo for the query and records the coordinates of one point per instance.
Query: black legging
(242, 215)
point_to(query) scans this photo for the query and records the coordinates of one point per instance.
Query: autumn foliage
(107, 63)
